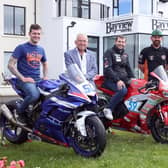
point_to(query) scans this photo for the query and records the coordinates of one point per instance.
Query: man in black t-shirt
(153, 56)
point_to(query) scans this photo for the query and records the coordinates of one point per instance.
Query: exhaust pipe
(6, 112)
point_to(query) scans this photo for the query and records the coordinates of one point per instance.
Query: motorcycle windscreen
(160, 73)
(79, 80)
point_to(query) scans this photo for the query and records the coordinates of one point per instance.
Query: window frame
(13, 20)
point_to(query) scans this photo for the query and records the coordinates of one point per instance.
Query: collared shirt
(152, 57)
(82, 59)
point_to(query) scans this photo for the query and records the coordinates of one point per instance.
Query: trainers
(108, 113)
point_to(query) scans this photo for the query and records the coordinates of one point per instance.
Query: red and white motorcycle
(144, 108)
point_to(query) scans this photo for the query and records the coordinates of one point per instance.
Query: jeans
(118, 96)
(31, 92)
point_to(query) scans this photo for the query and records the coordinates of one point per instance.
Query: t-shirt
(153, 57)
(28, 58)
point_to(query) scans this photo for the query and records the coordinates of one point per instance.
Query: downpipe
(4, 110)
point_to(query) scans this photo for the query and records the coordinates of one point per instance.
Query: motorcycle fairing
(142, 103)
(78, 90)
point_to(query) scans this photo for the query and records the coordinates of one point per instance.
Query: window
(147, 8)
(93, 45)
(104, 11)
(81, 8)
(75, 8)
(7, 55)
(121, 7)
(14, 20)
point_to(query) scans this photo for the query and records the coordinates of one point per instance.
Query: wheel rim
(11, 129)
(162, 131)
(88, 143)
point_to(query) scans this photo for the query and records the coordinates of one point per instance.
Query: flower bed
(13, 164)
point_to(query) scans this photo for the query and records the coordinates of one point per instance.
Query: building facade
(62, 20)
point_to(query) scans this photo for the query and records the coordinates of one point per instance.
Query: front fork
(163, 112)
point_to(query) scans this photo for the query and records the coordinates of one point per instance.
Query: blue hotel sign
(119, 26)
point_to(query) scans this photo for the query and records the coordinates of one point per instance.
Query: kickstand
(2, 138)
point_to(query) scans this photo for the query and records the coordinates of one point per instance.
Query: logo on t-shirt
(163, 57)
(151, 57)
(33, 59)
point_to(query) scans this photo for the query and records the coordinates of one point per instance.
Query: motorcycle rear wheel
(158, 130)
(13, 133)
(94, 143)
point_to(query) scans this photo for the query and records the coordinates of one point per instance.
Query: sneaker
(108, 113)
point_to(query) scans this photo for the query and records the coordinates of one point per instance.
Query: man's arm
(141, 67)
(45, 70)
(141, 60)
(68, 59)
(12, 67)
(91, 74)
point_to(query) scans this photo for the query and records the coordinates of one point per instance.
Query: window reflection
(8, 20)
(121, 7)
(147, 8)
(125, 7)
(19, 21)
(6, 59)
(81, 8)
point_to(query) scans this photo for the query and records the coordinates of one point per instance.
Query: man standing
(85, 59)
(117, 73)
(28, 56)
(153, 56)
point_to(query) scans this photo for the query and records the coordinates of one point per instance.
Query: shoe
(108, 113)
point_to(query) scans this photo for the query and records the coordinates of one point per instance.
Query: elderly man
(84, 58)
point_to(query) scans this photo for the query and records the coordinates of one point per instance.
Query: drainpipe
(70, 26)
(35, 11)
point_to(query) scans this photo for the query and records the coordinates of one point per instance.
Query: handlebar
(151, 85)
(63, 90)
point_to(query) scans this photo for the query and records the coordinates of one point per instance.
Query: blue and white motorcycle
(64, 115)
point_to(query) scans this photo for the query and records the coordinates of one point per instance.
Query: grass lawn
(123, 150)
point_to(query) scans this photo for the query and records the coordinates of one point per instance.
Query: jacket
(116, 65)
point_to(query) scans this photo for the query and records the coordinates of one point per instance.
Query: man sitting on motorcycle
(117, 73)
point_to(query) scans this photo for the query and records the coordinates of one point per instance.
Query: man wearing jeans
(117, 73)
(28, 57)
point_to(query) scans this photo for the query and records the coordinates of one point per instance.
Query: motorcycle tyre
(95, 122)
(155, 132)
(9, 134)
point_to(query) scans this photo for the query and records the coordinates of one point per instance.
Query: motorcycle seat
(99, 81)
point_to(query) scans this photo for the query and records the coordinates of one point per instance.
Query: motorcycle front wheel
(11, 132)
(158, 130)
(94, 143)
